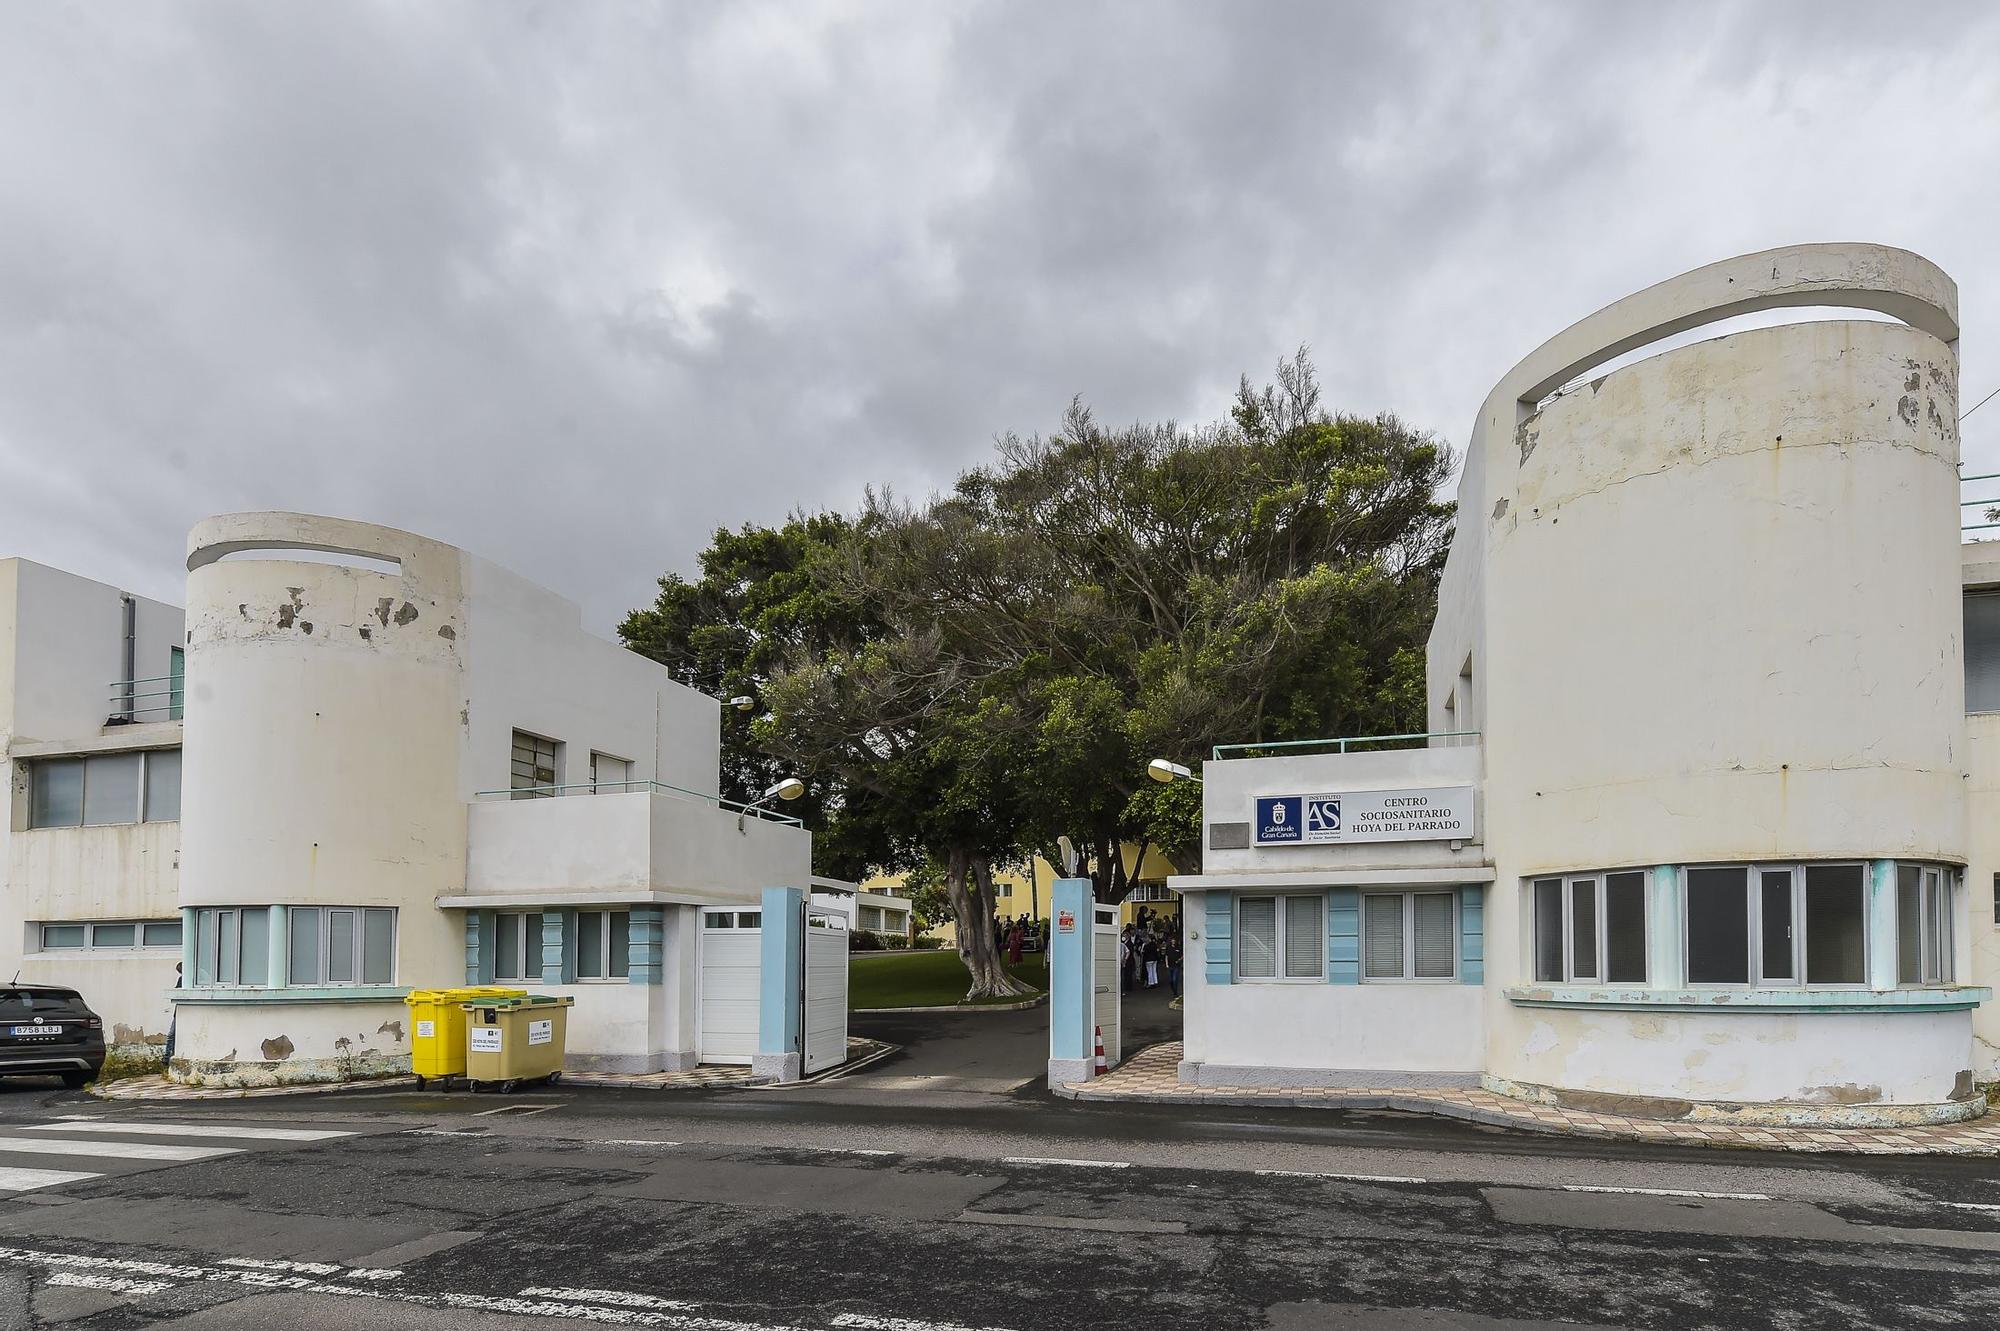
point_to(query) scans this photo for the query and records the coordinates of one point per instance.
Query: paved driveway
(992, 1053)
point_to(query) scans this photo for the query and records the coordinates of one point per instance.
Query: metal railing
(1986, 505)
(1404, 741)
(627, 787)
(130, 702)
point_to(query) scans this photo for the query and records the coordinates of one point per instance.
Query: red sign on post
(1065, 922)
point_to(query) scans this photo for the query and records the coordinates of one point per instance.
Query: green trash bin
(512, 1040)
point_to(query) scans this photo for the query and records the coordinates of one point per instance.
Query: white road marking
(616, 1297)
(628, 1141)
(116, 1284)
(444, 1132)
(1060, 1160)
(844, 1150)
(373, 1273)
(865, 1322)
(1344, 1178)
(110, 1150)
(1975, 1206)
(1671, 1192)
(277, 1264)
(231, 1131)
(27, 1180)
(522, 1110)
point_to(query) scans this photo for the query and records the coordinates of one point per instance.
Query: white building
(411, 768)
(90, 725)
(1694, 834)
(872, 912)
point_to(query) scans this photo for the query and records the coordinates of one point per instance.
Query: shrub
(860, 940)
(894, 941)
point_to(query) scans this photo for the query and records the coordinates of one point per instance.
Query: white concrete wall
(1808, 1059)
(273, 1043)
(1322, 1034)
(628, 845)
(532, 667)
(69, 650)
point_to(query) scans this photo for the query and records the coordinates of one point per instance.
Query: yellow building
(1024, 889)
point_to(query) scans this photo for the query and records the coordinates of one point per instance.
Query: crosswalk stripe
(138, 1128)
(27, 1180)
(105, 1150)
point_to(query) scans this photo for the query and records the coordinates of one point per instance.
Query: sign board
(541, 1032)
(427, 1030)
(485, 1040)
(1065, 922)
(1436, 813)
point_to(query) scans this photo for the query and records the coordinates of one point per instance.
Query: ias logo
(1322, 818)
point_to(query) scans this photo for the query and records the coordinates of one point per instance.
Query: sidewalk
(1152, 1076)
(155, 1086)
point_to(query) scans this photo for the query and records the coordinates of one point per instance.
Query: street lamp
(743, 702)
(1167, 773)
(788, 789)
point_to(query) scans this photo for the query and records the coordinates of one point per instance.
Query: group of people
(1150, 951)
(1012, 937)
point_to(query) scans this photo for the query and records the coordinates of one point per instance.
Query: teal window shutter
(1219, 909)
(1343, 935)
(1472, 934)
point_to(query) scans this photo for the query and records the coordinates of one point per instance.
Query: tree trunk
(968, 882)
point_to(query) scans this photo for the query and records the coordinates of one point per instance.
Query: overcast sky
(571, 284)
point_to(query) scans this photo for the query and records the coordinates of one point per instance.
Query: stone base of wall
(247, 1074)
(1741, 1114)
(1228, 1074)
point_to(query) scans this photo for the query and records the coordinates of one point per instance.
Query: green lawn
(926, 979)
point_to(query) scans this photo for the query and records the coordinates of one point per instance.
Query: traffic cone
(1103, 1066)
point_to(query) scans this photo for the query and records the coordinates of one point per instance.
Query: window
(1777, 924)
(1150, 892)
(1982, 652)
(332, 945)
(534, 773)
(1590, 928)
(176, 682)
(104, 789)
(1409, 936)
(517, 949)
(56, 936)
(232, 945)
(1281, 938)
(608, 775)
(603, 944)
(871, 918)
(161, 933)
(1924, 918)
(733, 919)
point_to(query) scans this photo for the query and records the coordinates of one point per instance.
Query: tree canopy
(964, 680)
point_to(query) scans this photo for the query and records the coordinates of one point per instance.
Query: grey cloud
(572, 285)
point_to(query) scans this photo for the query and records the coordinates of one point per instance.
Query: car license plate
(40, 1028)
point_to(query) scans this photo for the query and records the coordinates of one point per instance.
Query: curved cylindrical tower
(1721, 619)
(324, 718)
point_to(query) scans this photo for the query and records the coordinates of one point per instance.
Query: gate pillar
(1072, 991)
(781, 987)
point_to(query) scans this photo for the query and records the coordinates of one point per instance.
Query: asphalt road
(941, 1189)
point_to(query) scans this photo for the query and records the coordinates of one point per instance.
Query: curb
(1034, 1002)
(881, 1051)
(1804, 1144)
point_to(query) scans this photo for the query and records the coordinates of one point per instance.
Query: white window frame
(522, 922)
(1278, 939)
(322, 977)
(1753, 872)
(1409, 975)
(732, 919)
(604, 914)
(1937, 924)
(1600, 884)
(618, 787)
(228, 935)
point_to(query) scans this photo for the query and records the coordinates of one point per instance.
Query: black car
(47, 1030)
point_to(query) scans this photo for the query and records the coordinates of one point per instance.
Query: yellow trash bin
(512, 1040)
(437, 1028)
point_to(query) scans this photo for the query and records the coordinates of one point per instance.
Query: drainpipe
(130, 655)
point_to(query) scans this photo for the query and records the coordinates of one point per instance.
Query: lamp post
(788, 789)
(1166, 773)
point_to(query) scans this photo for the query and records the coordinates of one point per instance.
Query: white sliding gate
(826, 990)
(731, 962)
